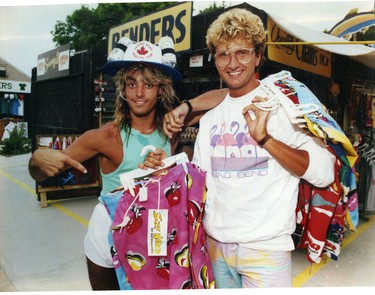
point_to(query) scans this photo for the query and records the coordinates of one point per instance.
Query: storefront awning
(359, 52)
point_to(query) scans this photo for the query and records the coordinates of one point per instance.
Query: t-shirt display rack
(361, 129)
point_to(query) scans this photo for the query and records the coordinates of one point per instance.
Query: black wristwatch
(188, 104)
(264, 140)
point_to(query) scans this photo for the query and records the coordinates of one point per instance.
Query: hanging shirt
(13, 107)
(323, 213)
(21, 108)
(4, 106)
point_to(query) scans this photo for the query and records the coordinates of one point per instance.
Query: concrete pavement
(41, 249)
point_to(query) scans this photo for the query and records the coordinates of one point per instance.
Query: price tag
(143, 194)
(157, 233)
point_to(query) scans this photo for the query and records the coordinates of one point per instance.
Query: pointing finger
(77, 165)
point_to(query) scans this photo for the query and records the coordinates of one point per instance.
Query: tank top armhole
(123, 139)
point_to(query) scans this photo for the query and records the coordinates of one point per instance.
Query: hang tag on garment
(157, 233)
(143, 194)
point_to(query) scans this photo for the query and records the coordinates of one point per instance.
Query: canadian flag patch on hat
(146, 51)
(162, 57)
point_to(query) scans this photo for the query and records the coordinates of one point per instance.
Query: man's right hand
(174, 120)
(46, 163)
(153, 160)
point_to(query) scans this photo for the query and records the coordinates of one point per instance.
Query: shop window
(3, 71)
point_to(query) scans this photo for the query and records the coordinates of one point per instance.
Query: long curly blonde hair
(237, 23)
(151, 75)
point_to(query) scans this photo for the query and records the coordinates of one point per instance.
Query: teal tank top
(132, 150)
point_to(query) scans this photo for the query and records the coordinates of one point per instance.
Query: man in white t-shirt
(255, 158)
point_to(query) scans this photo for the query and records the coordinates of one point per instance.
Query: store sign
(53, 63)
(15, 86)
(174, 22)
(196, 61)
(300, 56)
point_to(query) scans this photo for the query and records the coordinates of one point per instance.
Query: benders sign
(174, 22)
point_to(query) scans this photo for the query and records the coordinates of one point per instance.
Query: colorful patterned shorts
(235, 266)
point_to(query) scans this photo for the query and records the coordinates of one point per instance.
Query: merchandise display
(157, 236)
(361, 129)
(321, 233)
(70, 179)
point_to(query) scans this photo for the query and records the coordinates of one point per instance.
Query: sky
(25, 29)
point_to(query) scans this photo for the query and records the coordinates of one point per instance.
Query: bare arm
(293, 160)
(46, 163)
(208, 100)
(179, 117)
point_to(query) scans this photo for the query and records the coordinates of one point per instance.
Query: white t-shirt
(251, 199)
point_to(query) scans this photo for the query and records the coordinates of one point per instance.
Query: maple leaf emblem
(142, 51)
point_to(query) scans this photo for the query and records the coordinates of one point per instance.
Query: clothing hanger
(371, 160)
(294, 111)
(127, 179)
(368, 153)
(371, 156)
(363, 146)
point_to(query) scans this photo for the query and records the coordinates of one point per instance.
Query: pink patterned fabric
(186, 264)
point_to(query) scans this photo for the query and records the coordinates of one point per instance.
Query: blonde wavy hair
(151, 75)
(235, 24)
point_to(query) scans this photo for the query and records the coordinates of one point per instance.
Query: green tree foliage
(17, 143)
(366, 35)
(213, 7)
(88, 27)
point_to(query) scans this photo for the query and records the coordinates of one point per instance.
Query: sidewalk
(5, 284)
(41, 249)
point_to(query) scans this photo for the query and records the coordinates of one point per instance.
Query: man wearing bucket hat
(144, 73)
